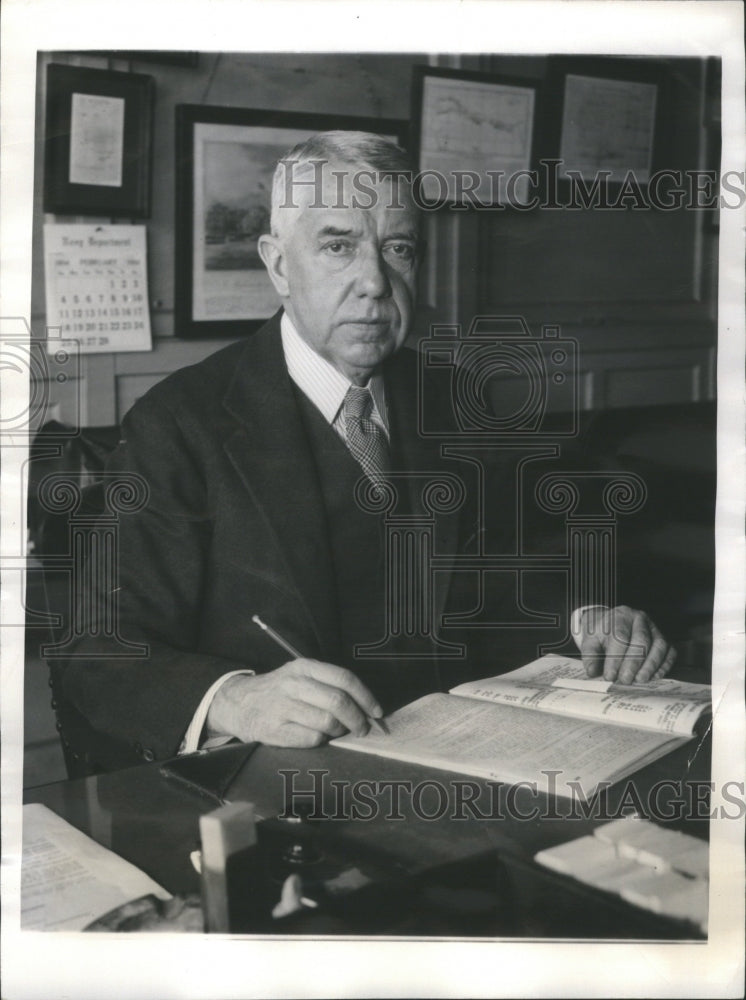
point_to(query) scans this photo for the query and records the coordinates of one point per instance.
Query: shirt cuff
(576, 617)
(192, 736)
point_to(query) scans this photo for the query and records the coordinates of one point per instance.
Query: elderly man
(251, 460)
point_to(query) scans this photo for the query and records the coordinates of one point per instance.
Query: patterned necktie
(363, 437)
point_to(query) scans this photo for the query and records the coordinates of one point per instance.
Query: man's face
(350, 271)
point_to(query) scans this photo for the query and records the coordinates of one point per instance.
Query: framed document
(475, 136)
(98, 142)
(225, 159)
(610, 121)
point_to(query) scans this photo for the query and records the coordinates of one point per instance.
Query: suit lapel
(270, 451)
(412, 451)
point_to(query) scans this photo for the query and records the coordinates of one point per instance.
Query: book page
(67, 879)
(552, 669)
(558, 685)
(505, 743)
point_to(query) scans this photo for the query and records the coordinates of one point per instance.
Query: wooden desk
(153, 823)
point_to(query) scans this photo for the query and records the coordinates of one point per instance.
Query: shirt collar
(321, 382)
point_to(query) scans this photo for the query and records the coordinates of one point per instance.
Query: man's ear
(273, 256)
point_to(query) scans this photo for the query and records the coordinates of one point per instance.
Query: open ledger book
(546, 716)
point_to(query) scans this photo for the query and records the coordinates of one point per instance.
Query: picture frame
(606, 117)
(482, 124)
(98, 142)
(225, 158)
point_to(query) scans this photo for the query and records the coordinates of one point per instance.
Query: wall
(370, 85)
(636, 290)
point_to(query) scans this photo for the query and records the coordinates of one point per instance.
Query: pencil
(378, 723)
(277, 637)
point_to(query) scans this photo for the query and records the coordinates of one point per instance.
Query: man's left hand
(624, 645)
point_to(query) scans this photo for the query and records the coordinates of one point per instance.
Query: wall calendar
(96, 288)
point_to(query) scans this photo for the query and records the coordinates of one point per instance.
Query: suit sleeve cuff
(193, 735)
(576, 618)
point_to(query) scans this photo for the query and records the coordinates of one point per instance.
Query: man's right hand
(301, 704)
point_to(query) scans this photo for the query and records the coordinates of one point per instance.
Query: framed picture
(475, 133)
(225, 159)
(98, 142)
(608, 119)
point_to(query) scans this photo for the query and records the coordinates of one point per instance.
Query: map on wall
(483, 127)
(608, 125)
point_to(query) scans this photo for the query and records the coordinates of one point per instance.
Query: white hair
(364, 150)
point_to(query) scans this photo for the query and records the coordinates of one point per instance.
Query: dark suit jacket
(234, 526)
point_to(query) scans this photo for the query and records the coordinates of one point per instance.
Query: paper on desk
(67, 879)
(597, 862)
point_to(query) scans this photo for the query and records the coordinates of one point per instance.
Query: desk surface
(153, 822)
